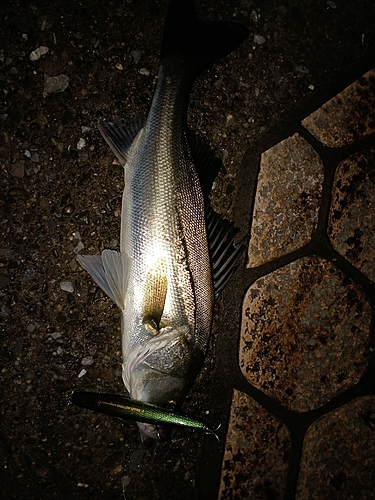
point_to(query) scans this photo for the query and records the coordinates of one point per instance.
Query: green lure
(130, 409)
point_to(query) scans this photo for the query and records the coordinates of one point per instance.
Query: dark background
(50, 190)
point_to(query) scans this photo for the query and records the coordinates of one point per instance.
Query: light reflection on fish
(175, 254)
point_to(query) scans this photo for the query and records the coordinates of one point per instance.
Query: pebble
(17, 170)
(38, 53)
(80, 246)
(55, 84)
(136, 55)
(67, 286)
(87, 361)
(259, 39)
(4, 311)
(55, 335)
(144, 71)
(81, 143)
(27, 275)
(302, 70)
(46, 21)
(82, 373)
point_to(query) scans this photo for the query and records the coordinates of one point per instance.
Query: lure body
(131, 409)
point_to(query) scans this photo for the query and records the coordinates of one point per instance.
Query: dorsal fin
(120, 136)
(224, 252)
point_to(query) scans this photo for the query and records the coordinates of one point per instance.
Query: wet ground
(61, 193)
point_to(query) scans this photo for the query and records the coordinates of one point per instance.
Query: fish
(176, 254)
(126, 408)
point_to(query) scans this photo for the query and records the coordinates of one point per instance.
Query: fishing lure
(126, 408)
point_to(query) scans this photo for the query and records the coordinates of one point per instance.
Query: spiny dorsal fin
(224, 252)
(110, 271)
(120, 136)
(155, 294)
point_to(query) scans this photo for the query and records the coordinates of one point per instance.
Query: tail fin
(194, 44)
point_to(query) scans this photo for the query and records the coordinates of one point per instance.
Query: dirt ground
(60, 193)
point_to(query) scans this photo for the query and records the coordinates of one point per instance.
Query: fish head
(161, 371)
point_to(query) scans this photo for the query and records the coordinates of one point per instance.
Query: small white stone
(144, 71)
(55, 84)
(38, 53)
(81, 143)
(259, 39)
(87, 361)
(82, 373)
(67, 286)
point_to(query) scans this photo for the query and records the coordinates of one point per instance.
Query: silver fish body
(167, 312)
(162, 278)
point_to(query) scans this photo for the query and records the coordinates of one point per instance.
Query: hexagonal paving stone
(256, 453)
(338, 456)
(348, 116)
(288, 195)
(352, 217)
(304, 333)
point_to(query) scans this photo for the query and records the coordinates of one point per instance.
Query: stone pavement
(302, 418)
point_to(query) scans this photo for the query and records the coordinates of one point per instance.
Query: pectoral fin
(155, 294)
(110, 271)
